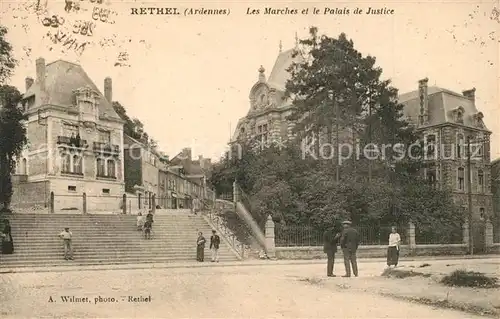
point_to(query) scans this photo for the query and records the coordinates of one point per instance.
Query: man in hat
(349, 243)
(67, 237)
(330, 242)
(214, 246)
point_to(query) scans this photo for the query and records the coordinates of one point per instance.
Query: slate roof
(442, 102)
(279, 75)
(61, 78)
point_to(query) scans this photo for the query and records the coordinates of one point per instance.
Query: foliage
(7, 61)
(335, 83)
(13, 139)
(464, 278)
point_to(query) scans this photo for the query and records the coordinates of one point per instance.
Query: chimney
(108, 89)
(40, 73)
(187, 153)
(200, 158)
(29, 82)
(424, 100)
(470, 94)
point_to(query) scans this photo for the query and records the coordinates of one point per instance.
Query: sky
(188, 78)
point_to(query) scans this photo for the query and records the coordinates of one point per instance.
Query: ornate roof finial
(281, 46)
(262, 77)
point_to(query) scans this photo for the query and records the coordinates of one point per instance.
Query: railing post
(139, 201)
(412, 245)
(51, 204)
(270, 243)
(84, 203)
(488, 235)
(124, 206)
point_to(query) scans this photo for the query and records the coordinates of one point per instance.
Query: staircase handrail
(221, 227)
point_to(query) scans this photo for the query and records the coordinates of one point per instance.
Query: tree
(7, 61)
(13, 139)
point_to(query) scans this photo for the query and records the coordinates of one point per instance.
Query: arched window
(77, 164)
(14, 167)
(100, 167)
(66, 163)
(111, 168)
(24, 166)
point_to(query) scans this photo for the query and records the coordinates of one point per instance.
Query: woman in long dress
(7, 242)
(393, 249)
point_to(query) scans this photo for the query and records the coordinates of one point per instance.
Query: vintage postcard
(249, 159)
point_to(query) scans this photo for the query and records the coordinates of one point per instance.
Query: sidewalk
(193, 264)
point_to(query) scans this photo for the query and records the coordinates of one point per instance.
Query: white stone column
(51, 152)
(270, 243)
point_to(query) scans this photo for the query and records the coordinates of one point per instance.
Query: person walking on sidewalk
(200, 247)
(330, 242)
(214, 246)
(349, 243)
(393, 249)
(67, 238)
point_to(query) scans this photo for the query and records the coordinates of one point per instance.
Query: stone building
(75, 140)
(266, 120)
(142, 166)
(495, 190)
(447, 120)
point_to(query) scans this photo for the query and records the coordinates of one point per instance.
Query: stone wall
(34, 195)
(371, 251)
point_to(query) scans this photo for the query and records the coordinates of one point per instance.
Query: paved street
(279, 291)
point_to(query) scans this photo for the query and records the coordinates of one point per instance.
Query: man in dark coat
(330, 242)
(214, 246)
(349, 243)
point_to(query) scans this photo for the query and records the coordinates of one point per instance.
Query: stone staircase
(107, 239)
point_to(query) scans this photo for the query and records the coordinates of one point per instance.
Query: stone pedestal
(270, 243)
(236, 193)
(465, 233)
(488, 235)
(412, 245)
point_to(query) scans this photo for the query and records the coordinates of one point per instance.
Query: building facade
(142, 166)
(495, 190)
(74, 137)
(266, 121)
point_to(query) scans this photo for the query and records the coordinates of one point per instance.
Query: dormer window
(478, 119)
(87, 100)
(458, 114)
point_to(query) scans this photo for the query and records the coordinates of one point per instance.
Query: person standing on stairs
(7, 242)
(200, 247)
(214, 246)
(67, 238)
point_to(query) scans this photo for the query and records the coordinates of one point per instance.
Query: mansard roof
(61, 79)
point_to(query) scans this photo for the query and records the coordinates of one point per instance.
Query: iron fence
(298, 235)
(428, 235)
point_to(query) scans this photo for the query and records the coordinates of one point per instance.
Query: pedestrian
(67, 238)
(214, 246)
(349, 243)
(200, 247)
(330, 242)
(148, 225)
(7, 241)
(139, 221)
(393, 249)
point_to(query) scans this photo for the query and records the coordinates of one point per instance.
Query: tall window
(461, 178)
(105, 137)
(100, 167)
(482, 214)
(111, 168)
(262, 134)
(430, 143)
(77, 164)
(480, 181)
(460, 146)
(70, 130)
(24, 166)
(431, 175)
(66, 163)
